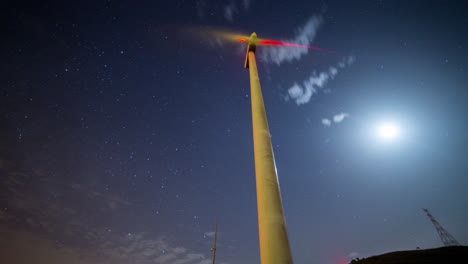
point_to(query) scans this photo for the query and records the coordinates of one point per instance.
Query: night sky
(125, 128)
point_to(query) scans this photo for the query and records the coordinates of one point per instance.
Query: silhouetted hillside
(443, 255)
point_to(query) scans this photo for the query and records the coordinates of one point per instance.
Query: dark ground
(443, 255)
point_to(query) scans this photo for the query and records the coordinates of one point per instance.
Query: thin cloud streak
(302, 94)
(338, 118)
(209, 234)
(326, 122)
(229, 11)
(305, 36)
(45, 218)
(246, 4)
(234, 8)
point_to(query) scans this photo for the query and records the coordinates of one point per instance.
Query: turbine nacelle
(251, 46)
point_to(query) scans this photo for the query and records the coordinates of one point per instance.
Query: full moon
(388, 131)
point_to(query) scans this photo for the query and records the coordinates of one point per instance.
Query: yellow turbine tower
(273, 237)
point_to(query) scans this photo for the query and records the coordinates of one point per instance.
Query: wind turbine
(273, 236)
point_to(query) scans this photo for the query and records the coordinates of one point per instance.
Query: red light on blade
(286, 44)
(279, 43)
(242, 40)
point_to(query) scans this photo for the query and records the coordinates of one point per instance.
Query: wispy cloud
(338, 118)
(206, 261)
(201, 7)
(165, 258)
(326, 122)
(229, 11)
(246, 4)
(234, 7)
(149, 250)
(106, 250)
(179, 250)
(43, 220)
(305, 36)
(209, 234)
(189, 258)
(302, 94)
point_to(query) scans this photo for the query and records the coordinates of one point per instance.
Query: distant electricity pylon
(446, 238)
(213, 249)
